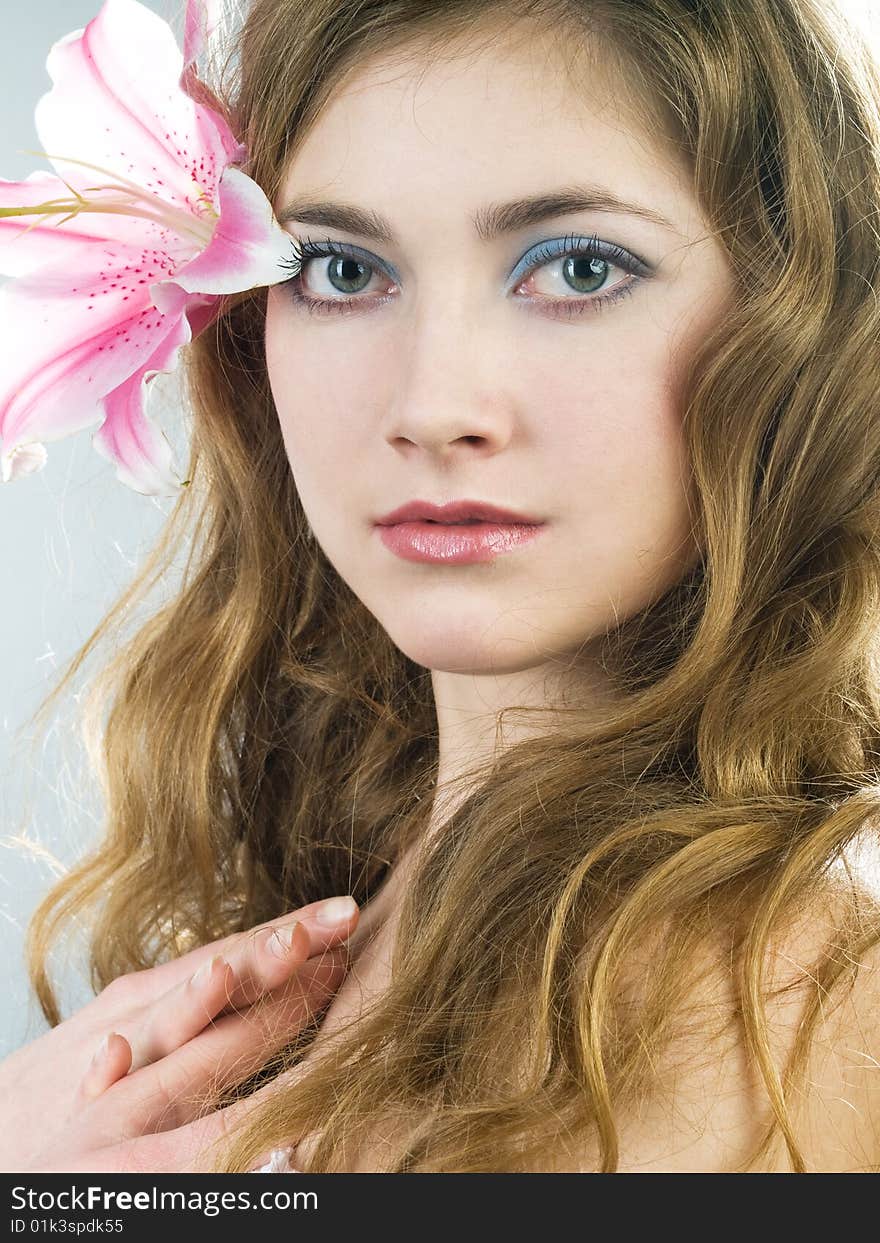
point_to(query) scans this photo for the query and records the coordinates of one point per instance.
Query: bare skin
(172, 1034)
(709, 1109)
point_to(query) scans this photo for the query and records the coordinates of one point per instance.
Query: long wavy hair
(266, 744)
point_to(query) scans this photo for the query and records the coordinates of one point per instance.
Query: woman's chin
(475, 652)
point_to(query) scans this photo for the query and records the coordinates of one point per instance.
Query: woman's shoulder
(834, 1100)
(840, 1097)
(710, 1108)
(713, 1108)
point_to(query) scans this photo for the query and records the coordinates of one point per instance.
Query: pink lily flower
(116, 272)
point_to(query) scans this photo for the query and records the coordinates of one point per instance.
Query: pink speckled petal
(116, 102)
(29, 242)
(109, 287)
(69, 338)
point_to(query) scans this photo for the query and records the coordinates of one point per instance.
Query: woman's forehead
(498, 125)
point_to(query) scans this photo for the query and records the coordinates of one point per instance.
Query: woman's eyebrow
(489, 222)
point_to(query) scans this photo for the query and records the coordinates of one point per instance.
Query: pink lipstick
(459, 533)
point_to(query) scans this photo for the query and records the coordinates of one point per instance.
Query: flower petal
(24, 460)
(201, 311)
(200, 23)
(125, 69)
(128, 437)
(31, 241)
(68, 339)
(248, 245)
(202, 18)
(170, 299)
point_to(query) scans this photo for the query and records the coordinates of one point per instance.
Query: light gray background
(71, 538)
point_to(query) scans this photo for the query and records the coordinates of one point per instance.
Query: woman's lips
(464, 509)
(460, 543)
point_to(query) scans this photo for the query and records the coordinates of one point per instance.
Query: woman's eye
(332, 275)
(343, 274)
(567, 276)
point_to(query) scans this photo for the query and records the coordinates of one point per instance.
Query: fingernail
(102, 1050)
(204, 971)
(335, 911)
(281, 940)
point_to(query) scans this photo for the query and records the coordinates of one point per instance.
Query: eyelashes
(572, 247)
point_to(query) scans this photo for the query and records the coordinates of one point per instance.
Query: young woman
(597, 769)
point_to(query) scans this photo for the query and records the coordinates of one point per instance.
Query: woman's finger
(181, 1013)
(264, 959)
(327, 923)
(111, 1062)
(218, 987)
(258, 962)
(181, 1086)
(221, 986)
(193, 1148)
(185, 1086)
(186, 1149)
(123, 1127)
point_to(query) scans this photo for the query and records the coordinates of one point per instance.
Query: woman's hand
(164, 1036)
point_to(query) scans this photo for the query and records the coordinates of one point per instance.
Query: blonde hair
(266, 741)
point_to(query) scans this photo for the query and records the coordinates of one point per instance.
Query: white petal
(248, 245)
(23, 460)
(129, 437)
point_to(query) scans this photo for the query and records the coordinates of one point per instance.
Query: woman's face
(477, 358)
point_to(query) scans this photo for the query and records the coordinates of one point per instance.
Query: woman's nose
(451, 397)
